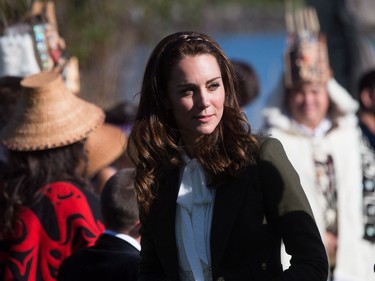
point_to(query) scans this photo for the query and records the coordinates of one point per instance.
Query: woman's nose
(203, 98)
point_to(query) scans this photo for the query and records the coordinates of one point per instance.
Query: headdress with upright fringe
(306, 57)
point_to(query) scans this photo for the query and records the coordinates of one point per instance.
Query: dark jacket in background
(111, 259)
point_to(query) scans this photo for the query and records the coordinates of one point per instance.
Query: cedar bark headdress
(306, 57)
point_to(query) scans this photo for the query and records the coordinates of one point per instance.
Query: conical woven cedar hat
(49, 116)
(104, 146)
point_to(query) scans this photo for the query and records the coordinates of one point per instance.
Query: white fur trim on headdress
(341, 97)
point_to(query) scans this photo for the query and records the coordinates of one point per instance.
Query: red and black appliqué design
(65, 220)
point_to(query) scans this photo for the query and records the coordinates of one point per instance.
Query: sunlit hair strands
(154, 140)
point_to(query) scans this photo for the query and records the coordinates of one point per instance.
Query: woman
(215, 200)
(47, 210)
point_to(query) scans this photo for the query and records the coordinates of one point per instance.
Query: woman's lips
(203, 118)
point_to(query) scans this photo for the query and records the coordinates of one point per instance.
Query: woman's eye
(187, 92)
(213, 86)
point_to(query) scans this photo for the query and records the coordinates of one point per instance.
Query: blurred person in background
(105, 147)
(315, 119)
(366, 112)
(115, 255)
(10, 91)
(248, 83)
(122, 114)
(47, 206)
(366, 115)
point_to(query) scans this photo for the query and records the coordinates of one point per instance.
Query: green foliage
(83, 28)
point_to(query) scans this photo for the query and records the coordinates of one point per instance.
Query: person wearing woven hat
(104, 146)
(47, 209)
(315, 119)
(30, 43)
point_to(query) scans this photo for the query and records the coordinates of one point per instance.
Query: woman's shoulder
(267, 143)
(272, 153)
(70, 195)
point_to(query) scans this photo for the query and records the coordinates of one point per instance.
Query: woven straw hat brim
(104, 145)
(49, 116)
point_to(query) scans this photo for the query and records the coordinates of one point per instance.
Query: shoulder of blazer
(279, 180)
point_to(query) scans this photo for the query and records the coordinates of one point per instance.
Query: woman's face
(196, 96)
(308, 104)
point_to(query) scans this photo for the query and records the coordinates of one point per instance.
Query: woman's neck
(190, 148)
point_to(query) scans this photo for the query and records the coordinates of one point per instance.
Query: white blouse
(193, 223)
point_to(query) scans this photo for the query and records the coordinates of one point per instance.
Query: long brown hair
(153, 142)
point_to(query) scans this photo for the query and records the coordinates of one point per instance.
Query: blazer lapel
(163, 221)
(228, 202)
